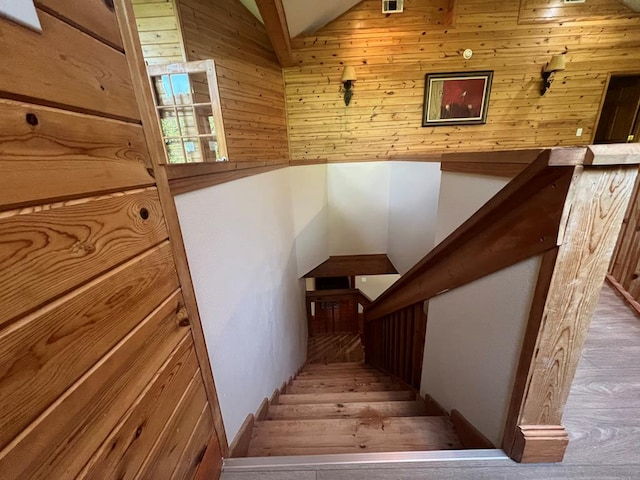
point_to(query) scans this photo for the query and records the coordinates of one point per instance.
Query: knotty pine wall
(392, 54)
(249, 77)
(159, 29)
(98, 373)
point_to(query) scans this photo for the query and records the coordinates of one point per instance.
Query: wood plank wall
(391, 55)
(159, 30)
(249, 77)
(98, 373)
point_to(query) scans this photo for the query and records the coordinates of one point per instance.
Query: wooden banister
(567, 206)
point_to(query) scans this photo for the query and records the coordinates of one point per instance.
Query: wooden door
(619, 118)
(101, 372)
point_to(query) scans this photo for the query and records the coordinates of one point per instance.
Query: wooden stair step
(348, 397)
(353, 435)
(341, 374)
(354, 387)
(334, 382)
(347, 410)
(333, 366)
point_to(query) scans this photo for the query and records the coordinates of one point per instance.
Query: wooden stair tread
(348, 397)
(324, 366)
(346, 410)
(342, 374)
(355, 387)
(318, 436)
(334, 382)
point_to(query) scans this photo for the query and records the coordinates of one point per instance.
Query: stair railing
(567, 206)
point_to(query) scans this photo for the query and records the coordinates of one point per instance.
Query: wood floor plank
(311, 437)
(602, 388)
(349, 397)
(459, 472)
(347, 410)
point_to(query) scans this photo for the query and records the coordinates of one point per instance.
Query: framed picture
(456, 98)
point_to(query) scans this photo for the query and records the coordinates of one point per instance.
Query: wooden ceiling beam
(275, 22)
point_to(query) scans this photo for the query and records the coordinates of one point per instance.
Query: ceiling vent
(392, 6)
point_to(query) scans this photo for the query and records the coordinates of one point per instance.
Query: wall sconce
(348, 77)
(550, 68)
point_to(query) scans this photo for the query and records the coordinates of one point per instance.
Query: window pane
(169, 122)
(200, 87)
(204, 119)
(181, 89)
(162, 90)
(210, 149)
(174, 151)
(193, 150)
(187, 121)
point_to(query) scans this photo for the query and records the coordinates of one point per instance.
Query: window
(188, 106)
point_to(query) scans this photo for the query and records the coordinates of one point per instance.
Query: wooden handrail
(567, 206)
(523, 220)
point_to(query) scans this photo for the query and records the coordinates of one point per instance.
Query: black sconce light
(550, 68)
(348, 77)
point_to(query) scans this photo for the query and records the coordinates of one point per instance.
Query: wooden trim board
(469, 435)
(240, 445)
(633, 303)
(350, 265)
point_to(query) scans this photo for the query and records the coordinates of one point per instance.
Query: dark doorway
(619, 118)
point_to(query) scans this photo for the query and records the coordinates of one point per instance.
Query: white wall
(358, 198)
(239, 238)
(22, 11)
(474, 333)
(373, 285)
(310, 215)
(413, 206)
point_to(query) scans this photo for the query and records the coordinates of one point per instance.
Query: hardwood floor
(336, 347)
(602, 417)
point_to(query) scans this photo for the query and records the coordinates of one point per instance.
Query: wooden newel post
(566, 295)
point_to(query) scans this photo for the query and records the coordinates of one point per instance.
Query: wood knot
(182, 317)
(85, 247)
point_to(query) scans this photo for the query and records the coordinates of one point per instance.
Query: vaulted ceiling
(305, 16)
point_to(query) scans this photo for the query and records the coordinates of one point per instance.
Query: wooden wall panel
(45, 252)
(392, 54)
(159, 29)
(545, 11)
(128, 445)
(98, 19)
(97, 350)
(48, 154)
(65, 436)
(250, 78)
(81, 73)
(51, 344)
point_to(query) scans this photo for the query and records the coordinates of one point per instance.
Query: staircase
(348, 408)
